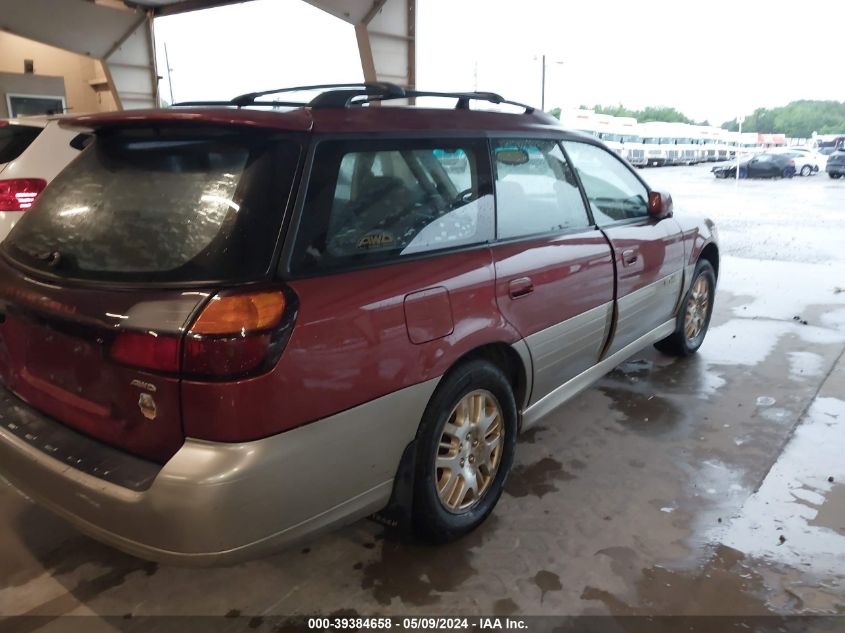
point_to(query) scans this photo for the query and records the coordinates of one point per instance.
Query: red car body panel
(351, 345)
(299, 120)
(697, 234)
(93, 394)
(570, 275)
(328, 121)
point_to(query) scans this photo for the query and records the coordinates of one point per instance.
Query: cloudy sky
(711, 60)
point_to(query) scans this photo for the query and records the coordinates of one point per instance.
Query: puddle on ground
(750, 341)
(418, 574)
(776, 414)
(648, 414)
(536, 479)
(796, 516)
(831, 511)
(800, 286)
(724, 585)
(805, 365)
(547, 581)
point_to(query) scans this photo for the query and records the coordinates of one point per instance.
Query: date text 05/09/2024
(416, 623)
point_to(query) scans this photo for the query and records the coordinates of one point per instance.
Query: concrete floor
(710, 485)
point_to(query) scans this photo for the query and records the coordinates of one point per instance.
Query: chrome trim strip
(571, 388)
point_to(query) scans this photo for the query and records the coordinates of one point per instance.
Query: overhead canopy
(119, 34)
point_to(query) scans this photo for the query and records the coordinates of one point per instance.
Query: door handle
(520, 287)
(629, 257)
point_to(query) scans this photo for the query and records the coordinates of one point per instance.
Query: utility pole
(739, 119)
(169, 80)
(543, 89)
(543, 79)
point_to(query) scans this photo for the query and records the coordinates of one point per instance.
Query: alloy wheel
(698, 305)
(470, 451)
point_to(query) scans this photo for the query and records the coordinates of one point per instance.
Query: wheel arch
(710, 253)
(513, 360)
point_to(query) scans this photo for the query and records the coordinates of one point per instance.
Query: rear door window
(536, 190)
(14, 139)
(162, 205)
(379, 201)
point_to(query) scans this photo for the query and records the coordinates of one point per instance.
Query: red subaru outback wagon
(224, 327)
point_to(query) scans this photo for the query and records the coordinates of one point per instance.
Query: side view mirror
(659, 205)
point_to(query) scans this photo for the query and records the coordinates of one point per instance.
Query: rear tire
(694, 315)
(806, 170)
(467, 438)
(834, 176)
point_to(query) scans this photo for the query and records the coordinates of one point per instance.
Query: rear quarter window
(14, 139)
(380, 201)
(162, 205)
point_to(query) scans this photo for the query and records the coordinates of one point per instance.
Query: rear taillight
(147, 350)
(234, 335)
(18, 194)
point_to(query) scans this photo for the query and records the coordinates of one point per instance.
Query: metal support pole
(169, 80)
(543, 89)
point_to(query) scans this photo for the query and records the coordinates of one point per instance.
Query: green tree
(797, 119)
(650, 113)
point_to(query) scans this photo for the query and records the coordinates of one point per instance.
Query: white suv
(32, 152)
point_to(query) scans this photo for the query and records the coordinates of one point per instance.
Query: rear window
(162, 205)
(14, 139)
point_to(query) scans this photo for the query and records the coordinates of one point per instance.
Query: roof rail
(354, 94)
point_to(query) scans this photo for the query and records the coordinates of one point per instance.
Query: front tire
(465, 450)
(834, 176)
(694, 316)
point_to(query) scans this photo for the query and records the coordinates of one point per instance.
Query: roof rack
(354, 94)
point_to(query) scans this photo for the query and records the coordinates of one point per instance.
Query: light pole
(543, 89)
(543, 80)
(740, 120)
(169, 80)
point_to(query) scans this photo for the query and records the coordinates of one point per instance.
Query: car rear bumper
(835, 169)
(213, 503)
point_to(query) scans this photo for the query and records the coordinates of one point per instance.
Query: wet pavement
(708, 485)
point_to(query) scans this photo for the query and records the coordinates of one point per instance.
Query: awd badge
(147, 406)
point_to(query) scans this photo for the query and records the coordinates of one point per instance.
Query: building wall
(20, 84)
(77, 71)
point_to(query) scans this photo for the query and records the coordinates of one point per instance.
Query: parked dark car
(223, 329)
(836, 164)
(758, 166)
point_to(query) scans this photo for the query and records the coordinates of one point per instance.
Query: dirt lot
(711, 485)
